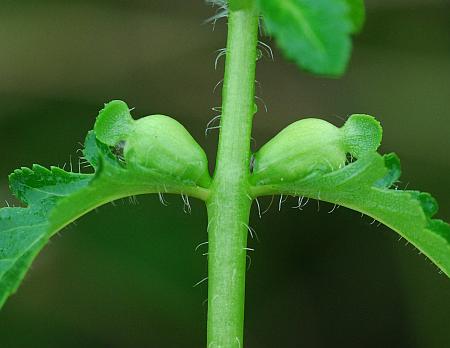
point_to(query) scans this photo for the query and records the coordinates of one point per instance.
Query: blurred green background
(123, 276)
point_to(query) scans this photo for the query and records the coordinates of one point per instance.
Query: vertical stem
(229, 202)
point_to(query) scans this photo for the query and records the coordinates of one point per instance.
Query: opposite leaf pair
(156, 154)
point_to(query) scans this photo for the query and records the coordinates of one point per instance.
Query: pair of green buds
(160, 144)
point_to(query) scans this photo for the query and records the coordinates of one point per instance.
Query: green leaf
(357, 14)
(364, 186)
(42, 186)
(55, 198)
(313, 33)
(24, 231)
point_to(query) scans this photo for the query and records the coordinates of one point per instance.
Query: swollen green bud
(302, 148)
(313, 146)
(161, 143)
(155, 144)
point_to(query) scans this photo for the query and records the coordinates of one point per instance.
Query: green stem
(229, 201)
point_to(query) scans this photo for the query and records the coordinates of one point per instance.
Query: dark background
(123, 276)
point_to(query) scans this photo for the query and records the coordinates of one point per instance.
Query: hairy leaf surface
(364, 186)
(54, 198)
(24, 231)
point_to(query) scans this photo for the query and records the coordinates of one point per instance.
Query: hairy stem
(229, 202)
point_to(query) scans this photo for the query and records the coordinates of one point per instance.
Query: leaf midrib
(296, 12)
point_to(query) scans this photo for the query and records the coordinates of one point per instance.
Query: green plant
(157, 155)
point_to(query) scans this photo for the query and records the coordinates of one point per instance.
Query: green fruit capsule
(155, 144)
(313, 146)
